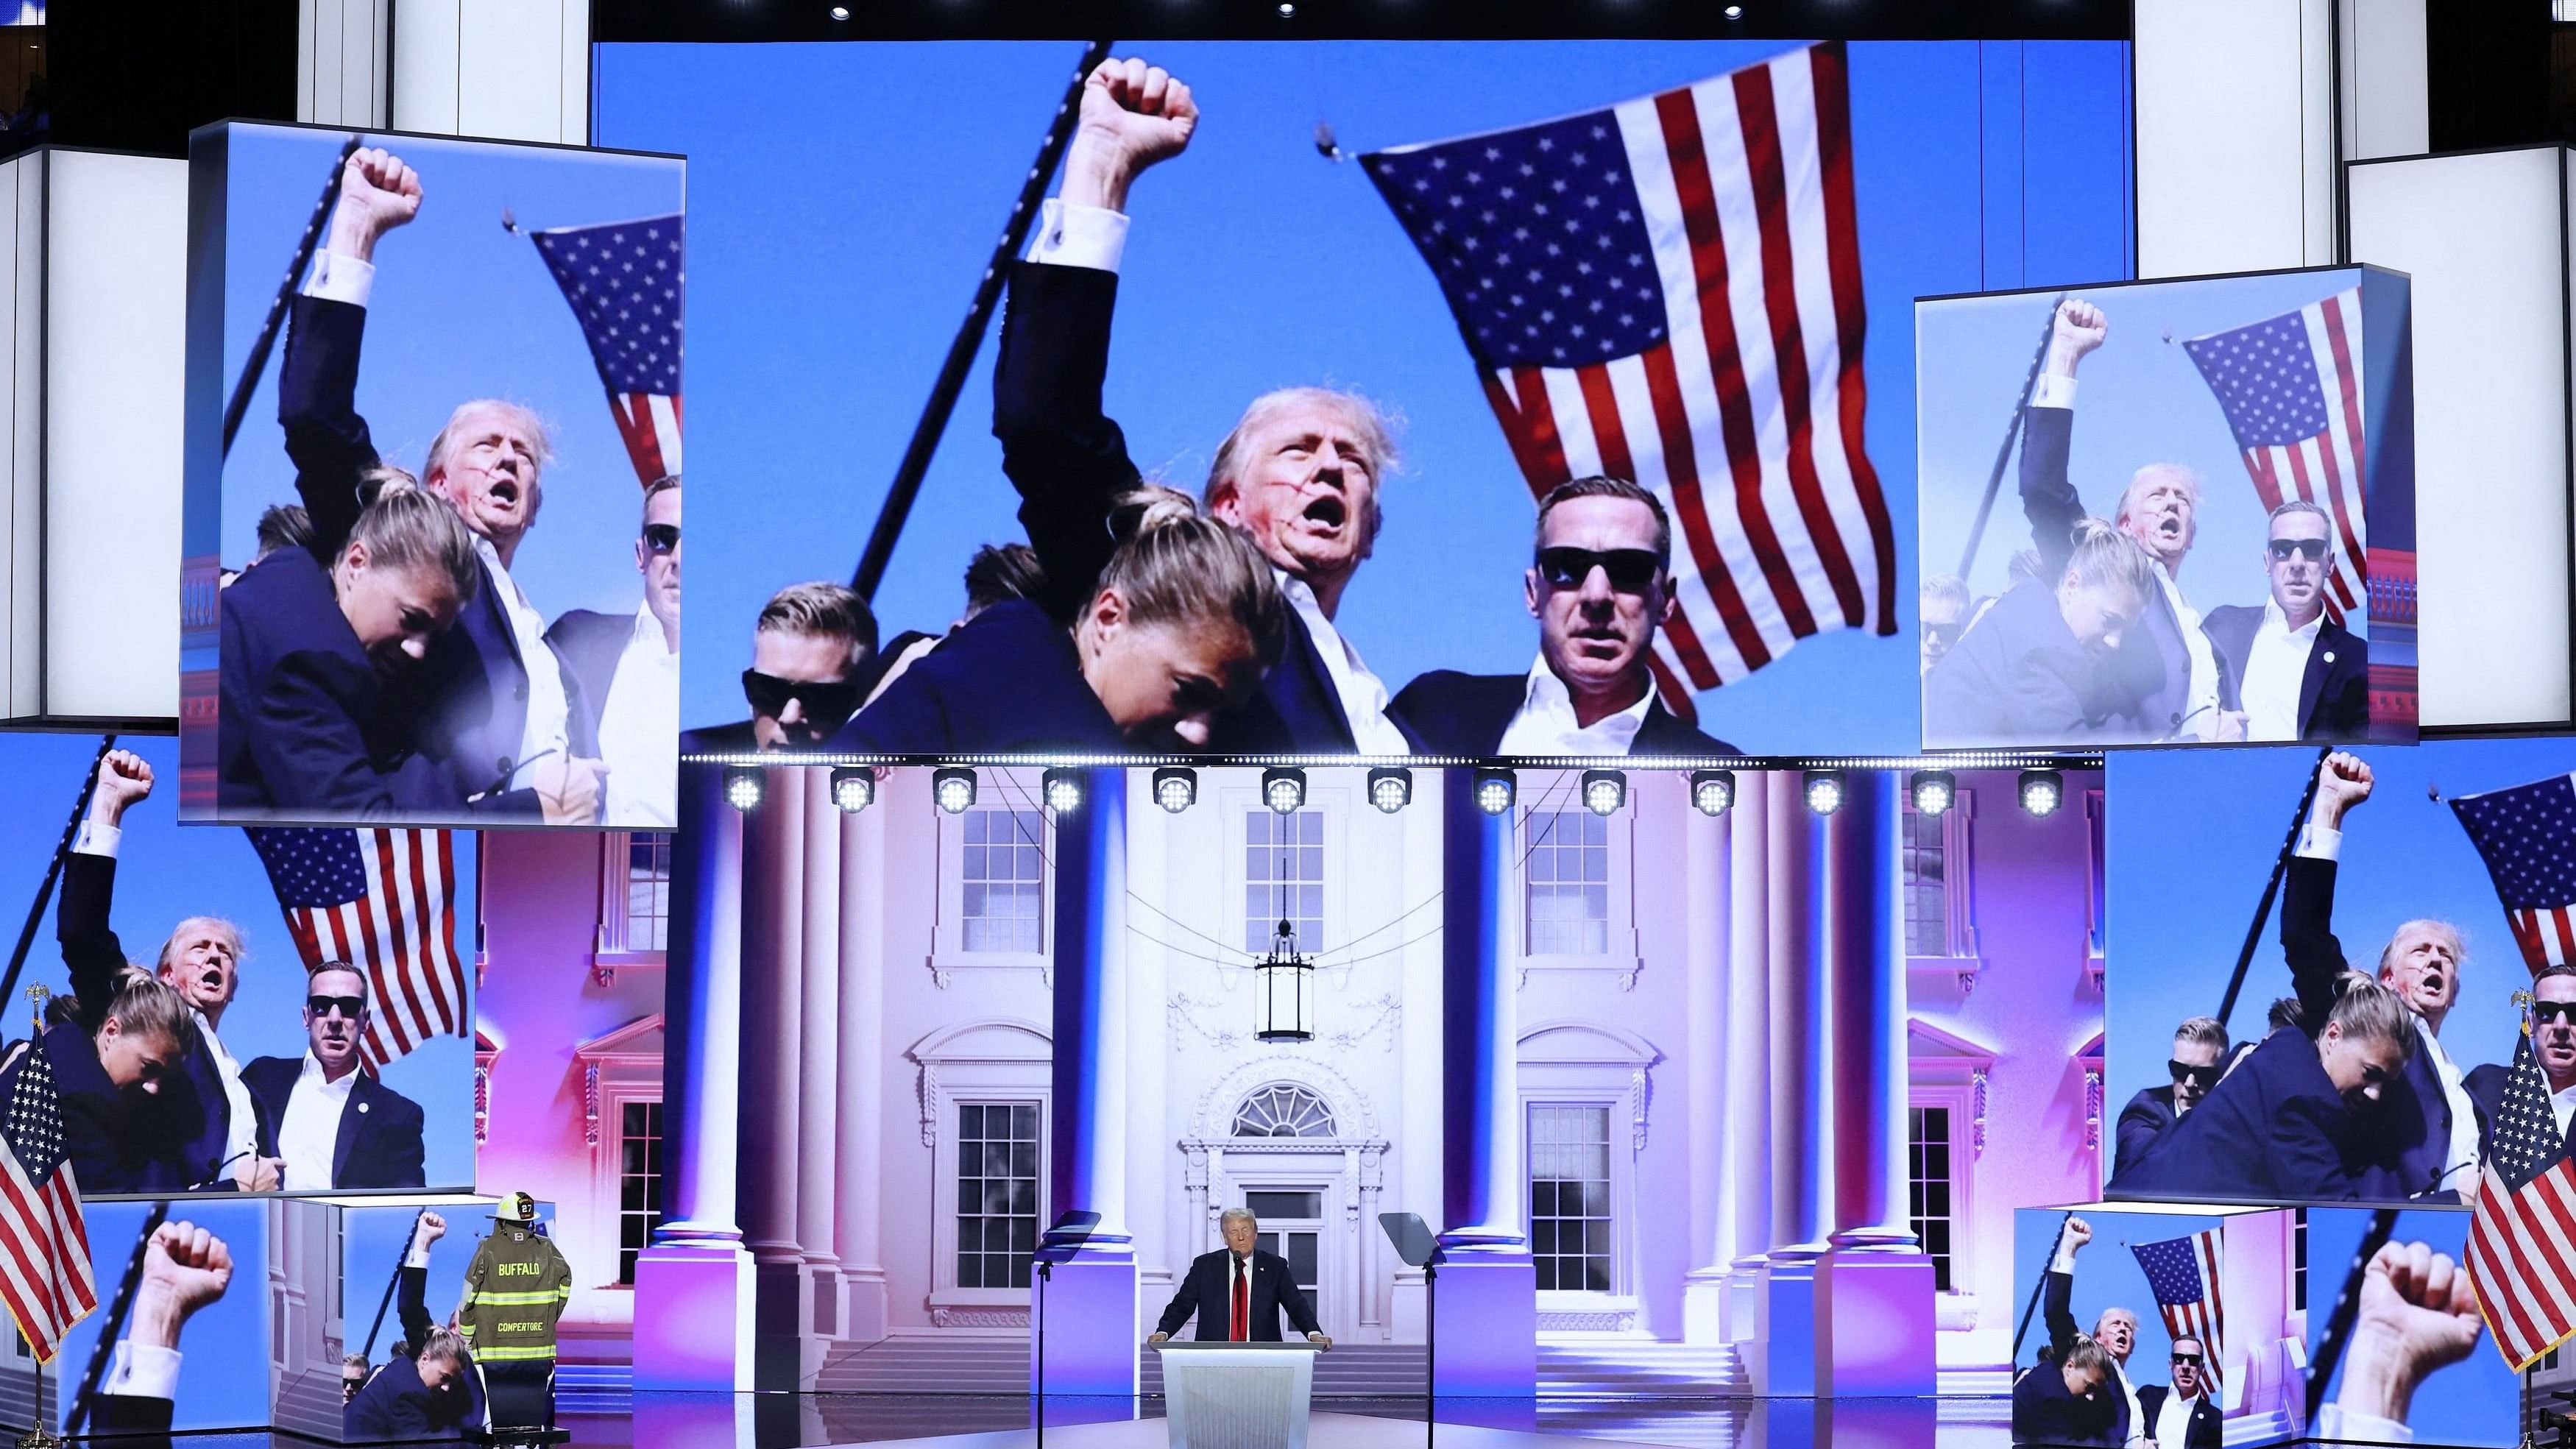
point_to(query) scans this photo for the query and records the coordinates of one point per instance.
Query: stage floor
(1324, 1430)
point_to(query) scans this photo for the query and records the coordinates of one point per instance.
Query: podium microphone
(501, 783)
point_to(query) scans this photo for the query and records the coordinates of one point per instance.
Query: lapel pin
(2330, 656)
(362, 1106)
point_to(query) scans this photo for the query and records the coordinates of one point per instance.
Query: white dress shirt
(2173, 1430)
(639, 731)
(548, 708)
(309, 1138)
(2200, 710)
(2564, 1104)
(2276, 665)
(1096, 237)
(1546, 724)
(2460, 1161)
(241, 1140)
(2334, 1422)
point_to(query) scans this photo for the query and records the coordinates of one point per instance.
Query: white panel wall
(513, 70)
(2235, 135)
(340, 70)
(115, 335)
(22, 466)
(2483, 237)
(2381, 49)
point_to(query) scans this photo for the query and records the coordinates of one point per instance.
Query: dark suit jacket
(723, 739)
(589, 644)
(379, 1142)
(2148, 1113)
(117, 1140)
(2334, 693)
(1069, 462)
(2150, 672)
(130, 1414)
(394, 1404)
(191, 1108)
(1450, 713)
(1208, 1292)
(473, 685)
(2043, 1412)
(2206, 1431)
(2018, 676)
(2408, 1133)
(2107, 1403)
(1008, 681)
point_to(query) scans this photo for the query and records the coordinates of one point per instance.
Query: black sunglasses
(826, 704)
(2545, 1012)
(2190, 1358)
(2198, 1076)
(662, 537)
(2311, 549)
(351, 1007)
(1631, 570)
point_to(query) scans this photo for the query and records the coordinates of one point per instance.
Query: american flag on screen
(44, 1246)
(623, 281)
(384, 901)
(2183, 1274)
(1668, 290)
(2527, 837)
(2291, 389)
(2522, 1238)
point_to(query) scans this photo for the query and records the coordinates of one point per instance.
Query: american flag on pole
(2527, 836)
(2522, 1238)
(44, 1247)
(623, 281)
(2291, 389)
(1668, 290)
(385, 902)
(2183, 1274)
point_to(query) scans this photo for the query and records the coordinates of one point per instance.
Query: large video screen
(1374, 349)
(433, 532)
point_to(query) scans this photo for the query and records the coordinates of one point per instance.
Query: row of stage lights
(1390, 788)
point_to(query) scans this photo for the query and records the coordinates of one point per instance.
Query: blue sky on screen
(847, 201)
(219, 1387)
(2190, 841)
(462, 309)
(2106, 1275)
(2139, 400)
(166, 873)
(2471, 1402)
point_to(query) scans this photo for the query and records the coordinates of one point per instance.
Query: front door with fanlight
(1292, 1226)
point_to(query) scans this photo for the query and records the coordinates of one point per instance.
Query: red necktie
(1242, 1304)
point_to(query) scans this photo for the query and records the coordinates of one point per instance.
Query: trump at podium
(1238, 1292)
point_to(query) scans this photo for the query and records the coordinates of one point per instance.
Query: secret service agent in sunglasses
(350, 1007)
(2311, 549)
(827, 705)
(2545, 1012)
(1631, 570)
(662, 538)
(2203, 1077)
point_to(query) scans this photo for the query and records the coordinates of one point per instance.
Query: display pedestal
(693, 1317)
(1793, 1320)
(1238, 1395)
(1089, 1337)
(1877, 1306)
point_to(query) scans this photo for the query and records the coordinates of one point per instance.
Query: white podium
(1238, 1395)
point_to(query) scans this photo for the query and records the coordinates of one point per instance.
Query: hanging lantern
(1283, 990)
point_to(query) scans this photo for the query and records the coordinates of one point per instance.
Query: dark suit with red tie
(1236, 1307)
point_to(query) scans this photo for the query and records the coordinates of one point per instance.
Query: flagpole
(257, 363)
(2271, 889)
(114, 1328)
(2347, 1308)
(399, 1259)
(970, 334)
(2032, 1306)
(53, 872)
(2012, 431)
(39, 1437)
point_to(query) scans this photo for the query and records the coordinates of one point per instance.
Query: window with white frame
(2097, 860)
(1936, 866)
(997, 1193)
(1002, 880)
(648, 891)
(639, 1182)
(1929, 1188)
(1283, 877)
(1567, 880)
(1571, 1222)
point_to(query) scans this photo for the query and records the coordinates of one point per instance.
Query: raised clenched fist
(2080, 327)
(2343, 781)
(124, 779)
(377, 193)
(1133, 115)
(2418, 1313)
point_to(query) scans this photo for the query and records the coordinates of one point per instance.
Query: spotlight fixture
(854, 787)
(1283, 789)
(2042, 791)
(840, 12)
(1176, 788)
(1713, 791)
(1287, 11)
(1935, 791)
(1061, 789)
(953, 787)
(744, 785)
(1604, 791)
(1734, 12)
(1494, 791)
(1824, 791)
(1390, 788)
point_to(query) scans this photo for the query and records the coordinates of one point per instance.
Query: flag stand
(38, 1437)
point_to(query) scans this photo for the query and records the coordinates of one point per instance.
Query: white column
(1704, 890)
(773, 1002)
(857, 1211)
(1747, 1123)
(341, 50)
(2235, 135)
(511, 70)
(1151, 1157)
(818, 1180)
(2380, 81)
